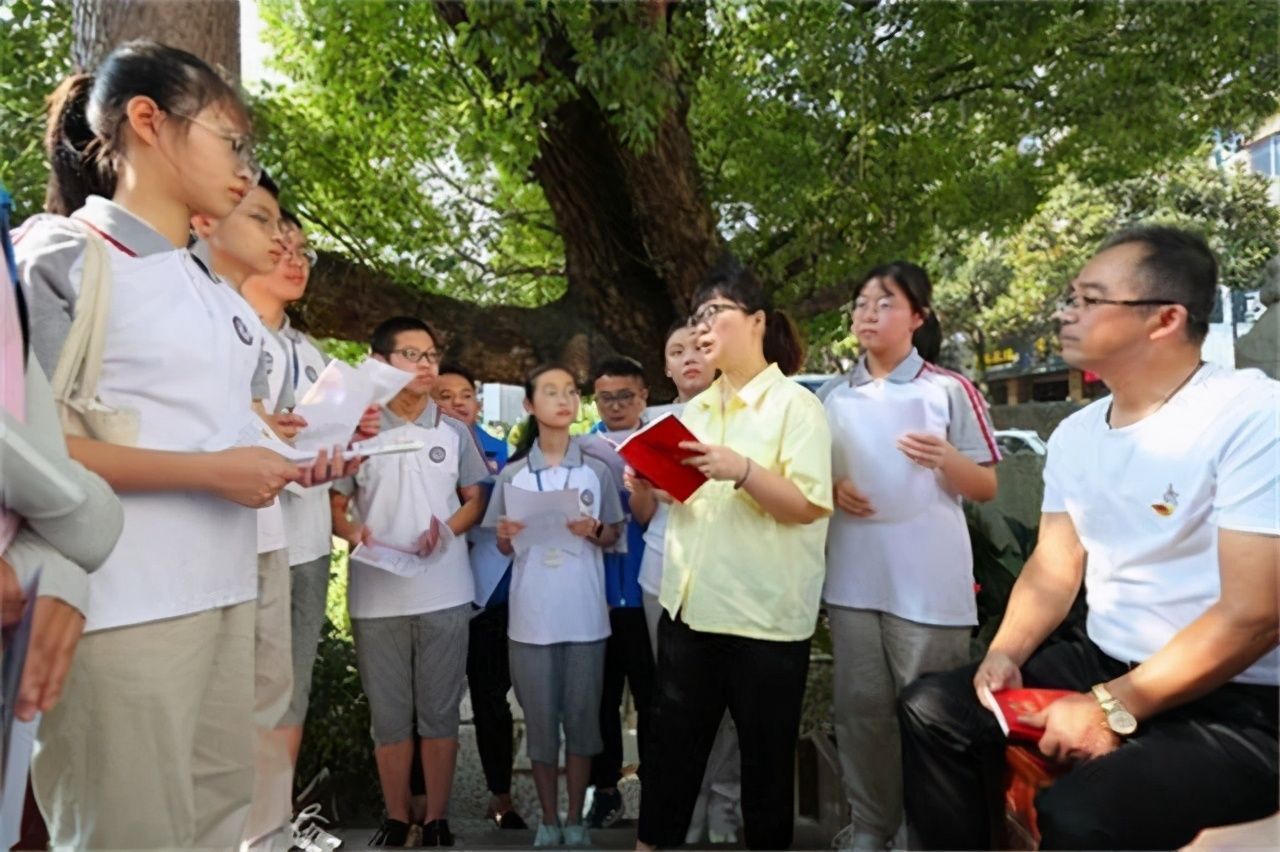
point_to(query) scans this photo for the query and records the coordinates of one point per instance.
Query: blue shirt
(622, 570)
(495, 449)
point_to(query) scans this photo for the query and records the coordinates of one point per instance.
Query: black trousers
(1210, 762)
(489, 679)
(762, 685)
(628, 657)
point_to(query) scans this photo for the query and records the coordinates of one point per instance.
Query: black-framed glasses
(707, 313)
(241, 145)
(1076, 303)
(414, 356)
(612, 399)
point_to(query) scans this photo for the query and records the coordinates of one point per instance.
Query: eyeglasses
(708, 313)
(882, 305)
(414, 356)
(271, 227)
(1077, 304)
(305, 253)
(241, 145)
(615, 399)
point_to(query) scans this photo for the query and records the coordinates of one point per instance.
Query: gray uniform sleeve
(969, 429)
(46, 249)
(73, 509)
(260, 384)
(610, 501)
(498, 499)
(346, 486)
(59, 577)
(471, 467)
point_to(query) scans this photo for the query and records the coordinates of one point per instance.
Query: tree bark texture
(208, 28)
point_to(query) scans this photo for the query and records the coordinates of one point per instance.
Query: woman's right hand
(250, 476)
(853, 501)
(509, 529)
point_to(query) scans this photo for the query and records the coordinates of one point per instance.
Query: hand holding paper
(545, 516)
(339, 401)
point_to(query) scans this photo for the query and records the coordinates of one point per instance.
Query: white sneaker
(548, 835)
(576, 835)
(850, 839)
(309, 837)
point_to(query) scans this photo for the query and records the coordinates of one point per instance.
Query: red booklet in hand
(1009, 704)
(654, 452)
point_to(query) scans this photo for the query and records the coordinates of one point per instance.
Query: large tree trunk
(208, 28)
(639, 237)
(638, 231)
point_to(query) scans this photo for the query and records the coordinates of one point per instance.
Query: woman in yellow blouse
(743, 572)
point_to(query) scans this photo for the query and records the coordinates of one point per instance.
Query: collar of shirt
(538, 462)
(905, 372)
(287, 330)
(749, 395)
(428, 419)
(122, 227)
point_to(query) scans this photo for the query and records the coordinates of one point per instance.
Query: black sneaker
(606, 808)
(512, 821)
(392, 833)
(437, 833)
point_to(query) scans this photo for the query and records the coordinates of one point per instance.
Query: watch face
(1122, 722)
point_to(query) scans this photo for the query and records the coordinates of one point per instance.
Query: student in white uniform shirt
(559, 619)
(251, 240)
(411, 632)
(1164, 499)
(294, 364)
(150, 746)
(909, 440)
(717, 815)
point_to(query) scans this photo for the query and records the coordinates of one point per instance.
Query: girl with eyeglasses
(559, 616)
(742, 571)
(151, 745)
(910, 440)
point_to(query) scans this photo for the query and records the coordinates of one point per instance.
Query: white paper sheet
(399, 562)
(333, 405)
(866, 452)
(546, 516)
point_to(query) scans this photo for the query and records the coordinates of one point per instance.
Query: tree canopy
(551, 179)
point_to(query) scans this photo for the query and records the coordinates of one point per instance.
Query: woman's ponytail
(75, 170)
(528, 436)
(928, 337)
(782, 342)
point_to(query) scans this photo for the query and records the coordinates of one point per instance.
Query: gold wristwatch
(1119, 719)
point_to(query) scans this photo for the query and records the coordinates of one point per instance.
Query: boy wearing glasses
(411, 632)
(621, 397)
(1165, 497)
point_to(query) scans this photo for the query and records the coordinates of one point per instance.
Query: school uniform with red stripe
(912, 557)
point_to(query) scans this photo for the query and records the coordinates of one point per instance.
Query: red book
(1009, 704)
(654, 452)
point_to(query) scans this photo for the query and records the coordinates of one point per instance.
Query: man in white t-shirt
(1164, 500)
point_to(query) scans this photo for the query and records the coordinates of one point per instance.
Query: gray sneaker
(548, 835)
(576, 835)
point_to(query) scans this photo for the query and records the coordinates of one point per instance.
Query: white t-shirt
(912, 557)
(295, 364)
(181, 350)
(1147, 501)
(396, 496)
(655, 535)
(562, 599)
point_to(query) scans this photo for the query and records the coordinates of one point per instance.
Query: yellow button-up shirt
(730, 567)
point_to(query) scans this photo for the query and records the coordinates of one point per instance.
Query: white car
(1015, 441)
(813, 381)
